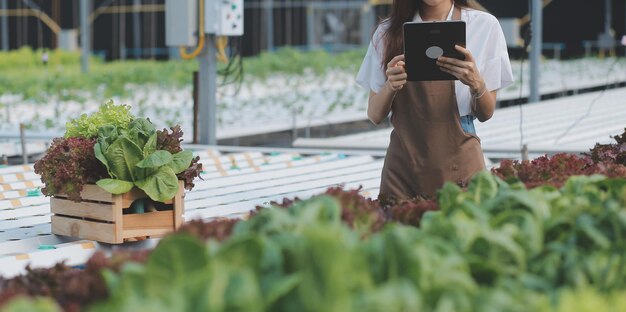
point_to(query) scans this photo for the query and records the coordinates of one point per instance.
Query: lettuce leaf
(122, 156)
(160, 186)
(181, 161)
(115, 186)
(156, 159)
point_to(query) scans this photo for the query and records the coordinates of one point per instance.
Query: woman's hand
(396, 74)
(466, 71)
(483, 103)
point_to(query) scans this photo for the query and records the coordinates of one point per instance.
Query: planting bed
(310, 89)
(546, 235)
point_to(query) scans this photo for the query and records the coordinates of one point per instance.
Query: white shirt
(484, 39)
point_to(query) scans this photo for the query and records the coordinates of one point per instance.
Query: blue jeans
(467, 123)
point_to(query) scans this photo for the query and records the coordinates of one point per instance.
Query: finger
(395, 60)
(397, 78)
(461, 72)
(400, 64)
(466, 52)
(400, 77)
(455, 74)
(395, 71)
(398, 69)
(398, 84)
(453, 61)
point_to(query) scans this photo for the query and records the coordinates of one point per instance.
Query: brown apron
(428, 146)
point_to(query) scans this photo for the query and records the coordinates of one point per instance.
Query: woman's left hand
(464, 70)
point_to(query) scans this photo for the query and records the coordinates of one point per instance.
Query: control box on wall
(221, 17)
(181, 23)
(225, 17)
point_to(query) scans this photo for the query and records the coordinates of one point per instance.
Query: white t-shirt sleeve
(371, 75)
(497, 72)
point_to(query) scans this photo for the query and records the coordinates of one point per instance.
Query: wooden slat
(136, 193)
(146, 232)
(96, 211)
(103, 232)
(150, 220)
(94, 192)
(118, 208)
(130, 197)
(179, 205)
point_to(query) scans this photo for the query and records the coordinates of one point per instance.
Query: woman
(434, 140)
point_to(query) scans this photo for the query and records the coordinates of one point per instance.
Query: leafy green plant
(109, 114)
(170, 141)
(73, 289)
(23, 73)
(492, 247)
(32, 305)
(132, 159)
(589, 299)
(123, 153)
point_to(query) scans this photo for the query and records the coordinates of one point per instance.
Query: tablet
(424, 42)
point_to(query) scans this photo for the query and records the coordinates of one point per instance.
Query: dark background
(565, 21)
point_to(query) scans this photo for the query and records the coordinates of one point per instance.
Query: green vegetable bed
(23, 73)
(495, 246)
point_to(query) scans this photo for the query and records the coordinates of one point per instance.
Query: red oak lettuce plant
(608, 160)
(69, 164)
(171, 142)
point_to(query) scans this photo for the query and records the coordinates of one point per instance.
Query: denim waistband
(467, 123)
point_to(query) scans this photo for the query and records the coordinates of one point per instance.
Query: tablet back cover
(425, 41)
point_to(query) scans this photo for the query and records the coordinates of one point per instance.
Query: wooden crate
(100, 216)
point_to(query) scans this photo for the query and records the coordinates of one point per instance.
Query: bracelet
(482, 92)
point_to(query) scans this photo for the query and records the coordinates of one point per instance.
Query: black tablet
(424, 42)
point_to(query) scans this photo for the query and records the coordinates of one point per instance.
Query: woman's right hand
(396, 74)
